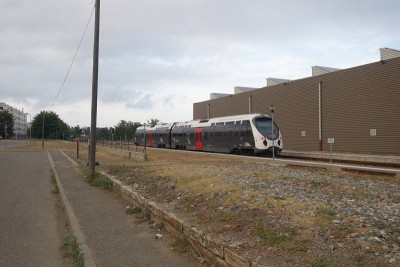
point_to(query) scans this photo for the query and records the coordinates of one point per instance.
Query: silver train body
(253, 133)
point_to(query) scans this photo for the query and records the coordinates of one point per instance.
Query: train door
(199, 140)
(149, 138)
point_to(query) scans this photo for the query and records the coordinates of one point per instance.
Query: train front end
(267, 135)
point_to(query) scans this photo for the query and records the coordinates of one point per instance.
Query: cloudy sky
(159, 57)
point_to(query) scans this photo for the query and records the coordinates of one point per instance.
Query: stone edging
(124, 153)
(213, 251)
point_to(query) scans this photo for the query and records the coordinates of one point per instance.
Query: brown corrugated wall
(354, 101)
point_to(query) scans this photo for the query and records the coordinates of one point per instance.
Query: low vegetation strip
(273, 215)
(71, 248)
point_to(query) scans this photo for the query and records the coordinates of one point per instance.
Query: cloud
(158, 57)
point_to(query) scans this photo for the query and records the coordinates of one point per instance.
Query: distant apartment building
(20, 122)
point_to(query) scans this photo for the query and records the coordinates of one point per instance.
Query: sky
(158, 57)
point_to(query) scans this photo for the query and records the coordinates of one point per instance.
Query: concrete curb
(73, 222)
(213, 251)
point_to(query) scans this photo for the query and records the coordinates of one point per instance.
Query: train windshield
(264, 126)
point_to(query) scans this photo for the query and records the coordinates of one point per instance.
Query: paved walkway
(32, 228)
(110, 234)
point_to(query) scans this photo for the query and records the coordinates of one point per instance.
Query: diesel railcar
(242, 133)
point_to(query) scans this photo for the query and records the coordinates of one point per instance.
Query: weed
(285, 177)
(152, 188)
(53, 181)
(297, 246)
(119, 169)
(106, 182)
(342, 231)
(99, 180)
(359, 257)
(132, 210)
(321, 261)
(147, 215)
(225, 216)
(271, 236)
(142, 217)
(70, 245)
(181, 244)
(319, 184)
(159, 225)
(203, 217)
(284, 238)
(326, 211)
(380, 224)
(394, 227)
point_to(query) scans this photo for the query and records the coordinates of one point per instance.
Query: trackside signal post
(92, 154)
(272, 109)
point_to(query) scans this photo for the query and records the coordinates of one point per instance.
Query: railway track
(339, 164)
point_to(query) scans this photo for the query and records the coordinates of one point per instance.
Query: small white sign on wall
(331, 140)
(372, 132)
(303, 133)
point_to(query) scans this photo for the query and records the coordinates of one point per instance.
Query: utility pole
(92, 150)
(43, 130)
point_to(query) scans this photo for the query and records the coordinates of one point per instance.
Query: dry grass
(36, 145)
(202, 188)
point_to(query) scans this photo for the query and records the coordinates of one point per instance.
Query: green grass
(181, 244)
(328, 212)
(132, 210)
(321, 261)
(225, 216)
(99, 180)
(54, 185)
(284, 238)
(70, 245)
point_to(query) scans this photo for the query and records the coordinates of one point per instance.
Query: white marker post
(331, 141)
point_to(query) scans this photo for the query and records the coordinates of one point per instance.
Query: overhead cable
(73, 60)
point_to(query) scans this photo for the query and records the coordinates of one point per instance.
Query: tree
(6, 121)
(152, 122)
(103, 133)
(54, 127)
(76, 131)
(126, 128)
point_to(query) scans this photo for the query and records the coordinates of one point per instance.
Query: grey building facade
(359, 107)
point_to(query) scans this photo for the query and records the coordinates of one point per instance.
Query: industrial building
(358, 107)
(20, 123)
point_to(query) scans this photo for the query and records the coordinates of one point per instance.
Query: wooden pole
(92, 158)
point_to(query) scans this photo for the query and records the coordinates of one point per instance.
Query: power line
(73, 60)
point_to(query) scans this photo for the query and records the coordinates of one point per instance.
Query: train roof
(207, 122)
(157, 126)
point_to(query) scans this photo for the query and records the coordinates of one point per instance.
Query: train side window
(229, 128)
(244, 129)
(236, 130)
(249, 132)
(219, 129)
